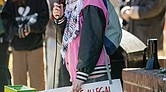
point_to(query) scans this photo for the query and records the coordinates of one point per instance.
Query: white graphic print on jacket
(24, 18)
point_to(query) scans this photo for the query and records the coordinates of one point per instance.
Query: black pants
(64, 77)
(118, 60)
(5, 77)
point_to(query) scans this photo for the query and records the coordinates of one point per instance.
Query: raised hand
(58, 10)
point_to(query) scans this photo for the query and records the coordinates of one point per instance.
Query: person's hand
(76, 85)
(126, 15)
(27, 30)
(58, 10)
(23, 31)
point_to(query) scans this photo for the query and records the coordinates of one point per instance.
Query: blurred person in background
(145, 19)
(25, 23)
(57, 75)
(5, 77)
(124, 22)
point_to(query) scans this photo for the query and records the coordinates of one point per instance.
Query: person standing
(145, 19)
(83, 24)
(5, 77)
(25, 22)
(57, 75)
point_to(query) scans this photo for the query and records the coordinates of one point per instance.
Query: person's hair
(20, 2)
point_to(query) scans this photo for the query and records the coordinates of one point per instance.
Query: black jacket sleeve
(151, 8)
(43, 17)
(8, 19)
(91, 41)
